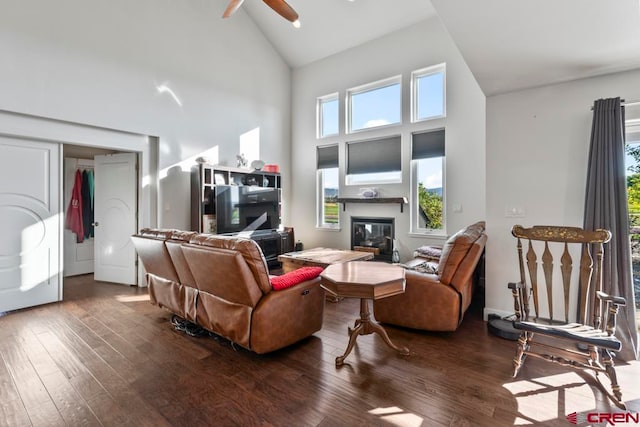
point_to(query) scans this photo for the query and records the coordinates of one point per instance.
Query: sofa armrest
(284, 317)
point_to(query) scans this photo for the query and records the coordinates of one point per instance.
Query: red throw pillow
(294, 277)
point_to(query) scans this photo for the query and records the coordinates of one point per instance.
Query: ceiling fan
(280, 6)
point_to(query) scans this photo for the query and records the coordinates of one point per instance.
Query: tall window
(375, 161)
(374, 104)
(428, 89)
(427, 182)
(327, 177)
(327, 115)
(632, 128)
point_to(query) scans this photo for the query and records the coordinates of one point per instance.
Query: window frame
(415, 228)
(320, 186)
(368, 87)
(422, 72)
(320, 116)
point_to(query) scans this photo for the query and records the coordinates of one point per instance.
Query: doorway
(49, 136)
(98, 224)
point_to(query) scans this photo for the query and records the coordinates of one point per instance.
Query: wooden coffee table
(367, 281)
(320, 257)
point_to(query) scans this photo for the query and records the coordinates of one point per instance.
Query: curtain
(606, 207)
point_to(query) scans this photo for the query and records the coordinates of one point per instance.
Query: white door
(78, 257)
(30, 223)
(115, 213)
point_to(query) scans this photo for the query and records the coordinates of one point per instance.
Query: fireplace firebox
(373, 235)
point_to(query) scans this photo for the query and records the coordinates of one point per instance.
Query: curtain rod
(626, 103)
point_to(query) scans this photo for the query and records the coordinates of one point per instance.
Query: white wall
(537, 152)
(418, 46)
(100, 63)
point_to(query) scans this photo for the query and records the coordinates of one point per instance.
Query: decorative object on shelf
(369, 192)
(257, 164)
(219, 179)
(271, 168)
(241, 160)
(203, 160)
(265, 182)
(251, 180)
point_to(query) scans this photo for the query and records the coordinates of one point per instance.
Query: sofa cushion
(455, 249)
(431, 253)
(295, 277)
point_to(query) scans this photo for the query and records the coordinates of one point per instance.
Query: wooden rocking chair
(596, 336)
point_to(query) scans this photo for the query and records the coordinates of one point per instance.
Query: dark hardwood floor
(105, 356)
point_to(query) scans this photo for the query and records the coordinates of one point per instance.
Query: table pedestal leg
(365, 326)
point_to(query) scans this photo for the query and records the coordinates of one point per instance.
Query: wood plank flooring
(106, 356)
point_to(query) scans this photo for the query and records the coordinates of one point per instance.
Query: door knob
(95, 224)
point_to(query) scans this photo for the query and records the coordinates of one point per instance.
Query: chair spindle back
(590, 273)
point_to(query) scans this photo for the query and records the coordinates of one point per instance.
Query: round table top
(363, 279)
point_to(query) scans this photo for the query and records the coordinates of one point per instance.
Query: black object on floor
(189, 328)
(503, 328)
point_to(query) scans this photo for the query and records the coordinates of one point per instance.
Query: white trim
(434, 69)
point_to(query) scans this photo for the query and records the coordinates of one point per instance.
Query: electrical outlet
(514, 211)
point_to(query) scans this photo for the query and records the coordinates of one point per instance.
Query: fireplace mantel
(401, 200)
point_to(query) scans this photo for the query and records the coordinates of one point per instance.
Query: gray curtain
(606, 207)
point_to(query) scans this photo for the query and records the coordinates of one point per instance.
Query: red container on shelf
(271, 168)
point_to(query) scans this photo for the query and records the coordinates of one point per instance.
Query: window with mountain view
(327, 182)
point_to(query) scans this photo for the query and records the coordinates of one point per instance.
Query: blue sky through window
(376, 107)
(430, 96)
(329, 112)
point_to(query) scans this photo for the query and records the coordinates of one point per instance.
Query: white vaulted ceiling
(331, 26)
(508, 44)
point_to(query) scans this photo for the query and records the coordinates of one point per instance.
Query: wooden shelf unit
(204, 179)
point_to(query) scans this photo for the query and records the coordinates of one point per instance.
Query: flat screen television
(246, 208)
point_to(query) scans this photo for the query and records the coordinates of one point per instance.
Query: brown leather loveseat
(437, 301)
(223, 284)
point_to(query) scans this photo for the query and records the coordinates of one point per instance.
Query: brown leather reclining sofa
(437, 301)
(222, 284)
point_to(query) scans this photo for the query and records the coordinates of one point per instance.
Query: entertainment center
(233, 201)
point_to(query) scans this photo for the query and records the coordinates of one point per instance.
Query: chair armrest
(612, 299)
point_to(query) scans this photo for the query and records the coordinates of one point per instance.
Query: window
(376, 161)
(327, 116)
(427, 182)
(374, 105)
(327, 195)
(428, 99)
(632, 163)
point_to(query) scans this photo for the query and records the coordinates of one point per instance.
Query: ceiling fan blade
(283, 9)
(233, 6)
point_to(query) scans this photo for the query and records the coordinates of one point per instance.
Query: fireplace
(373, 235)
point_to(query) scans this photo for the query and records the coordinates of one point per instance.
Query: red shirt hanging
(74, 211)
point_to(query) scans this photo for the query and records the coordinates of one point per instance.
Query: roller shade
(327, 157)
(425, 145)
(379, 155)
